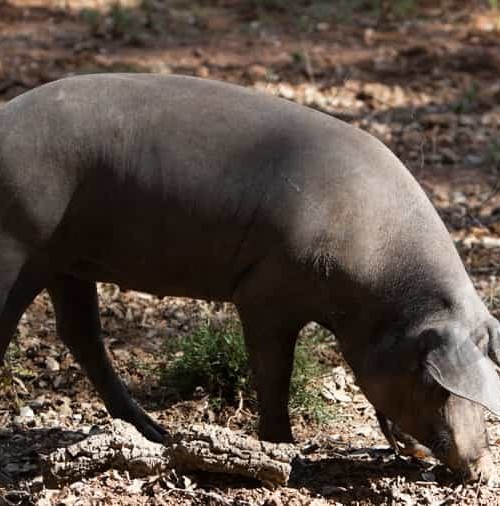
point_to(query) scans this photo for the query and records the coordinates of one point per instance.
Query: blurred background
(421, 75)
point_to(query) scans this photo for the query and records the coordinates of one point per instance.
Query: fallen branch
(197, 448)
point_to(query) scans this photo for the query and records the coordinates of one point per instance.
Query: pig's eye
(427, 379)
(433, 388)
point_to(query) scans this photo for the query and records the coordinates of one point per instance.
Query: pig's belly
(197, 270)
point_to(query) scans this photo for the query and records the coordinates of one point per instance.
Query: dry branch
(196, 448)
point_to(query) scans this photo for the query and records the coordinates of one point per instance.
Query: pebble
(428, 476)
(26, 414)
(286, 91)
(490, 242)
(323, 27)
(52, 364)
(37, 403)
(257, 72)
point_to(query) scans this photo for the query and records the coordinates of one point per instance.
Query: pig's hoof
(150, 429)
(143, 423)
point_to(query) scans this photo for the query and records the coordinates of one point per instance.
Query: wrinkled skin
(186, 187)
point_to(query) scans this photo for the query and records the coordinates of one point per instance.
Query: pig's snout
(482, 469)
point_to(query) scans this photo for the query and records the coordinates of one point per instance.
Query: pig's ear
(458, 365)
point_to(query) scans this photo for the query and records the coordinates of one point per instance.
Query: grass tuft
(214, 358)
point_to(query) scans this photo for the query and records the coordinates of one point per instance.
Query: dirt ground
(425, 81)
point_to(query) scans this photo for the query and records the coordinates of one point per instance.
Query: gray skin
(188, 187)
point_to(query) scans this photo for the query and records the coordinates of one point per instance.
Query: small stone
(458, 198)
(203, 71)
(332, 490)
(274, 499)
(52, 364)
(365, 431)
(474, 159)
(323, 27)
(449, 156)
(77, 485)
(58, 382)
(36, 484)
(121, 354)
(65, 409)
(286, 91)
(26, 412)
(26, 415)
(37, 403)
(257, 72)
(135, 487)
(490, 242)
(341, 396)
(428, 476)
(218, 23)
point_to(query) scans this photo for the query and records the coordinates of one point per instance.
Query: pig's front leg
(78, 325)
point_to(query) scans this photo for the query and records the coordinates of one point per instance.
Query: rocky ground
(424, 81)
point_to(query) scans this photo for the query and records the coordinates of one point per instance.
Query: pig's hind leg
(78, 325)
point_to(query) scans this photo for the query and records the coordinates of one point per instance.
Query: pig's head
(434, 386)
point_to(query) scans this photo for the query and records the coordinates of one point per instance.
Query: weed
(214, 358)
(305, 390)
(269, 5)
(93, 19)
(494, 154)
(468, 101)
(404, 8)
(121, 22)
(346, 9)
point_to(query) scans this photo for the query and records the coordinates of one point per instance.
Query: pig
(196, 188)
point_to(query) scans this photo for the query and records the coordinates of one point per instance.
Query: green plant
(122, 21)
(345, 9)
(494, 154)
(403, 8)
(93, 18)
(305, 389)
(494, 4)
(468, 101)
(270, 5)
(214, 358)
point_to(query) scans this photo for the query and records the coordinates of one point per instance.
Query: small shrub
(269, 5)
(347, 9)
(214, 358)
(493, 154)
(305, 388)
(122, 23)
(93, 19)
(468, 101)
